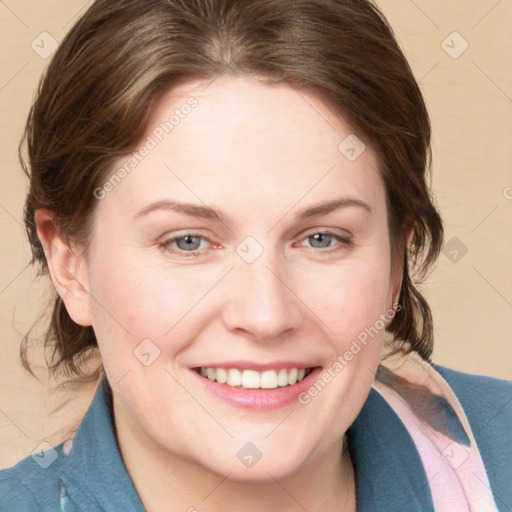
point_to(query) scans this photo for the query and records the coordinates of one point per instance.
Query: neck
(165, 481)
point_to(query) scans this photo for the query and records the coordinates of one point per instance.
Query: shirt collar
(388, 469)
(95, 472)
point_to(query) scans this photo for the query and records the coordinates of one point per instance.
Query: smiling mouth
(252, 379)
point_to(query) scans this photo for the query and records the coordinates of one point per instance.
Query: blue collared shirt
(389, 473)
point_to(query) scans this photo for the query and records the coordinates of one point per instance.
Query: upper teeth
(252, 379)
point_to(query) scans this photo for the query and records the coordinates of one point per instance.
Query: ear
(67, 269)
(408, 232)
(398, 273)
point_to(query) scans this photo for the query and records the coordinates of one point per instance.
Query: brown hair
(94, 101)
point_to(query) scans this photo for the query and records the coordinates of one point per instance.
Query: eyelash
(345, 242)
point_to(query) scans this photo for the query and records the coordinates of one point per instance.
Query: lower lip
(259, 399)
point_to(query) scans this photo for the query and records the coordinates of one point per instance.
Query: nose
(260, 301)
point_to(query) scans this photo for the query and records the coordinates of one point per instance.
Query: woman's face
(253, 286)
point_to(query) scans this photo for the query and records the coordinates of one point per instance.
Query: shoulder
(487, 403)
(483, 398)
(32, 484)
(459, 376)
(77, 475)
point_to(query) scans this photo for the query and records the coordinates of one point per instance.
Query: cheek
(135, 300)
(348, 298)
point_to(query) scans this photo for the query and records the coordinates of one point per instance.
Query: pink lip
(258, 399)
(250, 365)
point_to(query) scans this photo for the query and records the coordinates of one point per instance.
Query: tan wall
(470, 101)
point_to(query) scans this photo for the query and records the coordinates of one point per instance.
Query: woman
(228, 198)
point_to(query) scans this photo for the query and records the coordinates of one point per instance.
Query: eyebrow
(329, 206)
(194, 210)
(206, 212)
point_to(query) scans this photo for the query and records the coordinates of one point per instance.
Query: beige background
(469, 97)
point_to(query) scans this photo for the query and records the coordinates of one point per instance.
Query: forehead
(237, 141)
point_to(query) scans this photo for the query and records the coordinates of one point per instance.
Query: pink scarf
(434, 418)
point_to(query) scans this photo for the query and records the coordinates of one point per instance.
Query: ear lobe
(67, 269)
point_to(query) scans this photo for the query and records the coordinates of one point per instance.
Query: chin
(263, 471)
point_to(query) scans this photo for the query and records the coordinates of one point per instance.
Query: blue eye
(188, 243)
(191, 242)
(324, 239)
